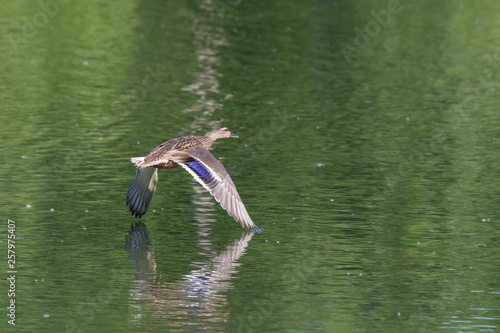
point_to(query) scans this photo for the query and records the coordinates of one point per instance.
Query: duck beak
(233, 136)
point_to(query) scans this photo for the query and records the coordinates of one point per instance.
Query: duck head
(220, 132)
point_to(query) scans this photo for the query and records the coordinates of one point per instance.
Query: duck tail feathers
(138, 161)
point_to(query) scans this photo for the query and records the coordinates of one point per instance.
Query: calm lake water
(369, 154)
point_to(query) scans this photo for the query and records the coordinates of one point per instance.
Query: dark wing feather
(210, 173)
(141, 191)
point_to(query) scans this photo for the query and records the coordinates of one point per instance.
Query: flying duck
(191, 153)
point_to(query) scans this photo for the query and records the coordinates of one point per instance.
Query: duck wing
(142, 190)
(210, 173)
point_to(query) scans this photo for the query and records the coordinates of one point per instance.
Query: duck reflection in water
(197, 299)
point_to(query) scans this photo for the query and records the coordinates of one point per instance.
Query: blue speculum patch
(200, 170)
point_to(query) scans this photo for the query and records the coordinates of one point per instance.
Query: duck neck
(210, 137)
(208, 141)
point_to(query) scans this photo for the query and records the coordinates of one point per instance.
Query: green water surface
(368, 153)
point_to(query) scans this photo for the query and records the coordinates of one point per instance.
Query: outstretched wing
(141, 191)
(210, 173)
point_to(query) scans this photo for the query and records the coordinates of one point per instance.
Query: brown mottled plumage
(191, 153)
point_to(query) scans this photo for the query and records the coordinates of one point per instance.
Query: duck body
(163, 151)
(191, 153)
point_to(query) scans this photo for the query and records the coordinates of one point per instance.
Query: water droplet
(332, 199)
(52, 209)
(84, 228)
(320, 165)
(278, 242)
(28, 206)
(46, 316)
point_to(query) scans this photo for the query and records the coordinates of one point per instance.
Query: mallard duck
(191, 153)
